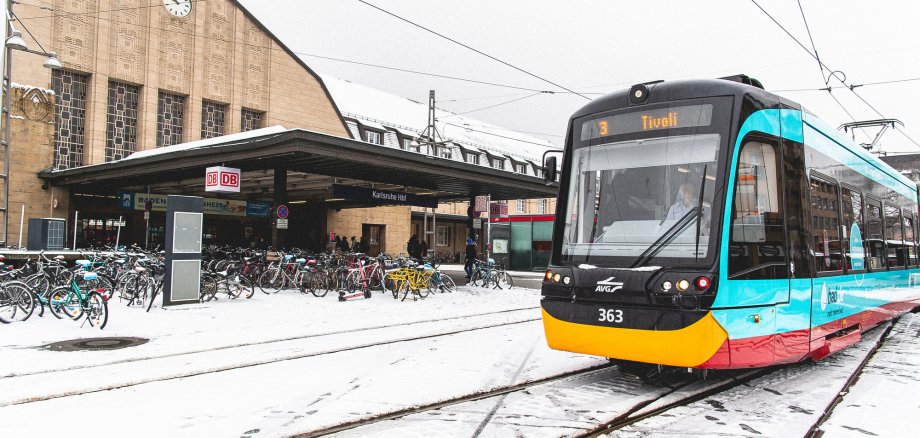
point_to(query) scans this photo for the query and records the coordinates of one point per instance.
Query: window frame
(900, 222)
(871, 201)
(815, 175)
(767, 269)
(367, 134)
(862, 229)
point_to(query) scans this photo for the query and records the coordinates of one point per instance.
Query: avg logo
(608, 285)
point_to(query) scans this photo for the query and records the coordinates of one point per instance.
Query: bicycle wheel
(208, 288)
(405, 290)
(234, 288)
(271, 281)
(320, 285)
(504, 280)
(16, 302)
(152, 296)
(248, 289)
(352, 282)
(97, 310)
(131, 289)
(61, 302)
(447, 283)
(103, 284)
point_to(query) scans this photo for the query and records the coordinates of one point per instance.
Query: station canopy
(313, 161)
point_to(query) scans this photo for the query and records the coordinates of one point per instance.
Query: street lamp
(14, 42)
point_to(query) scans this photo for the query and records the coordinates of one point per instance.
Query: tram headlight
(666, 286)
(548, 276)
(556, 278)
(683, 285)
(566, 280)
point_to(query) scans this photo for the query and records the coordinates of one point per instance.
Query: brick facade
(218, 53)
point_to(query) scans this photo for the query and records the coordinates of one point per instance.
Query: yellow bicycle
(414, 280)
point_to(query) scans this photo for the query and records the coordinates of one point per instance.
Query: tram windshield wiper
(666, 237)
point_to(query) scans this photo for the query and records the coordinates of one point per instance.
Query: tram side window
(853, 228)
(909, 251)
(916, 259)
(874, 240)
(757, 241)
(894, 237)
(827, 248)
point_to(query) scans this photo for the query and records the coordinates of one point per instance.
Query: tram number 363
(610, 315)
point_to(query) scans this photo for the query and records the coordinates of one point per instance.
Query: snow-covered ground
(286, 364)
(279, 364)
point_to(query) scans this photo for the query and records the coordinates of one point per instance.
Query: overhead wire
(243, 43)
(867, 84)
(842, 81)
(825, 78)
(495, 105)
(471, 48)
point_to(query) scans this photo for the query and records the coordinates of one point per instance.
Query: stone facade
(32, 129)
(349, 222)
(218, 53)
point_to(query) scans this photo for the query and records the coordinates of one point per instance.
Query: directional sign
(282, 211)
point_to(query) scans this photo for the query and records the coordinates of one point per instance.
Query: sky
(594, 47)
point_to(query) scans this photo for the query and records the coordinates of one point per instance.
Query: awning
(313, 162)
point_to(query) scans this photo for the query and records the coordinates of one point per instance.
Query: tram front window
(641, 199)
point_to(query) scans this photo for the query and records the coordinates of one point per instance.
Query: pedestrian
(412, 246)
(471, 252)
(423, 249)
(354, 245)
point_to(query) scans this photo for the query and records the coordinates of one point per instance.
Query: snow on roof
(372, 125)
(277, 129)
(366, 103)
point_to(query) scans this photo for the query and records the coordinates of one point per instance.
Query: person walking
(354, 245)
(471, 252)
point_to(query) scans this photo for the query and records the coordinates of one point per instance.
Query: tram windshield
(633, 201)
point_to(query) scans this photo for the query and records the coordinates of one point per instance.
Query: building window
(443, 237)
(541, 207)
(69, 118)
(442, 151)
(472, 158)
(121, 121)
(373, 137)
(520, 168)
(498, 163)
(212, 119)
(170, 119)
(538, 171)
(250, 119)
(520, 206)
(407, 143)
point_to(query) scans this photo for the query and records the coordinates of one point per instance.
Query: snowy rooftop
(371, 106)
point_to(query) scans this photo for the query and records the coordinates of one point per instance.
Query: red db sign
(222, 179)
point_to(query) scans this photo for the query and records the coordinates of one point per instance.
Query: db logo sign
(222, 179)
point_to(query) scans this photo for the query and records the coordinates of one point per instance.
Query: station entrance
(330, 186)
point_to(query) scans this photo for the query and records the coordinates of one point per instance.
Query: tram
(710, 224)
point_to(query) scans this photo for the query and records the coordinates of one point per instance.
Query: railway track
(265, 342)
(72, 376)
(573, 404)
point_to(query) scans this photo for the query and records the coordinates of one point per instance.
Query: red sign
(498, 210)
(482, 204)
(222, 179)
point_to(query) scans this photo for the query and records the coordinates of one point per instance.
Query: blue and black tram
(712, 224)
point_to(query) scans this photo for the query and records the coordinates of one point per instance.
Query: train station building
(148, 97)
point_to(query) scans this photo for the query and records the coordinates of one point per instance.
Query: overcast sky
(601, 46)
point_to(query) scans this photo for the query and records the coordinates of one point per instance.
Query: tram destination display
(650, 120)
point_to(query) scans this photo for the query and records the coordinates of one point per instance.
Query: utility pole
(430, 137)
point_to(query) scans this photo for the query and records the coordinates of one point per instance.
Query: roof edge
(300, 61)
